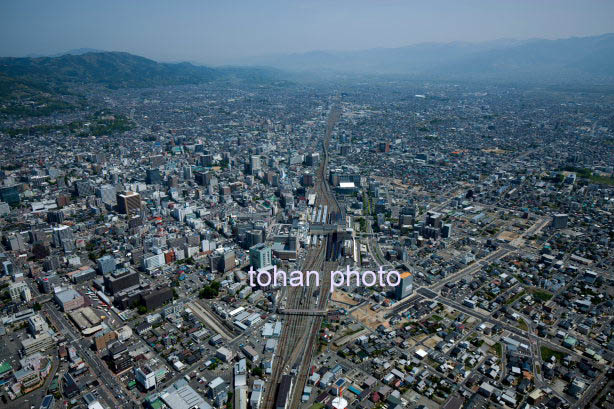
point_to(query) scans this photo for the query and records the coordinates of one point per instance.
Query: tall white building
(146, 377)
(20, 291)
(37, 324)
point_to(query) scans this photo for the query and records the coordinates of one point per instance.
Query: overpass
(309, 313)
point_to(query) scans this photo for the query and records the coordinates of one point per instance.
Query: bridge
(310, 313)
(323, 229)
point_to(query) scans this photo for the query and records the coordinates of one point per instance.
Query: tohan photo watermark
(264, 278)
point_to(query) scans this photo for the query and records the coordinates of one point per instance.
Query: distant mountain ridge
(46, 81)
(587, 59)
(118, 70)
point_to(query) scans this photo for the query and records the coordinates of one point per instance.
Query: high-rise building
(107, 194)
(312, 159)
(55, 217)
(119, 357)
(64, 237)
(146, 377)
(559, 221)
(254, 164)
(203, 178)
(253, 237)
(10, 194)
(37, 325)
(405, 287)
(206, 160)
(84, 188)
(383, 147)
(106, 264)
(446, 231)
(229, 261)
(260, 256)
(434, 219)
(153, 177)
(15, 242)
(120, 280)
(128, 202)
(20, 291)
(307, 179)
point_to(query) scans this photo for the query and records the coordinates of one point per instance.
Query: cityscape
(138, 198)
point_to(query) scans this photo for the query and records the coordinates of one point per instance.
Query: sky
(226, 31)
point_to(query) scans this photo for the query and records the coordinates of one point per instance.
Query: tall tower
(339, 402)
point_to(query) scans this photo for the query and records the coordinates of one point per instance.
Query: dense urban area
(131, 216)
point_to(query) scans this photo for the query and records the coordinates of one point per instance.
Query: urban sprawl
(129, 227)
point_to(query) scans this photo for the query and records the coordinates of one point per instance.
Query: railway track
(300, 332)
(295, 329)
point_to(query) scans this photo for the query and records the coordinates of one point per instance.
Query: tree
(208, 292)
(257, 371)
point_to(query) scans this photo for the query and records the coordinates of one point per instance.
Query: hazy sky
(223, 31)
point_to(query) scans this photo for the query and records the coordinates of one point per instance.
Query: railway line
(299, 335)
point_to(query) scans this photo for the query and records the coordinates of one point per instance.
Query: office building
(260, 256)
(20, 291)
(153, 177)
(7, 268)
(218, 391)
(63, 237)
(104, 338)
(146, 377)
(446, 231)
(119, 357)
(82, 275)
(15, 242)
(253, 237)
(254, 164)
(157, 298)
(37, 325)
(106, 264)
(55, 217)
(38, 343)
(128, 202)
(405, 287)
(120, 280)
(107, 194)
(10, 195)
(559, 221)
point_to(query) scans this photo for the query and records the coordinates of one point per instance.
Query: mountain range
(583, 59)
(22, 76)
